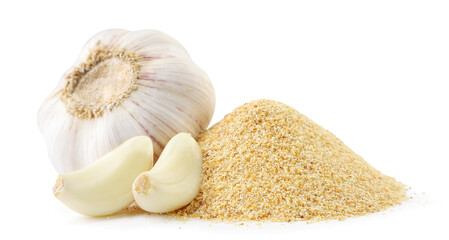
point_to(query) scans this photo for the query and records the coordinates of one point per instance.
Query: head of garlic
(124, 84)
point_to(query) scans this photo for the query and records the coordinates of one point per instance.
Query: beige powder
(267, 162)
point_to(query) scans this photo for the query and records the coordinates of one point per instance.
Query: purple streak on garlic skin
(155, 116)
(179, 111)
(178, 90)
(148, 134)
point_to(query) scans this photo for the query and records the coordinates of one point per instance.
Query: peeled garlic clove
(175, 179)
(124, 84)
(104, 187)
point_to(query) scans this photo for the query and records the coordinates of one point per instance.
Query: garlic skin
(124, 84)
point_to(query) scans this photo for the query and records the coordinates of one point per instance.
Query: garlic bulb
(124, 84)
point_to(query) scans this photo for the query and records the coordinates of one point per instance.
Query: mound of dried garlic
(124, 84)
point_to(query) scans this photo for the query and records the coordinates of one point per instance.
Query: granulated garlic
(267, 162)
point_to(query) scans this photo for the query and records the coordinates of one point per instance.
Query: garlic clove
(175, 179)
(124, 84)
(104, 187)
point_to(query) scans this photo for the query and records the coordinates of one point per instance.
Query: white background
(375, 73)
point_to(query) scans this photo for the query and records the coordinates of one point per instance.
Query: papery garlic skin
(165, 93)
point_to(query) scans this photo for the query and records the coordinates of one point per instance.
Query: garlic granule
(124, 84)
